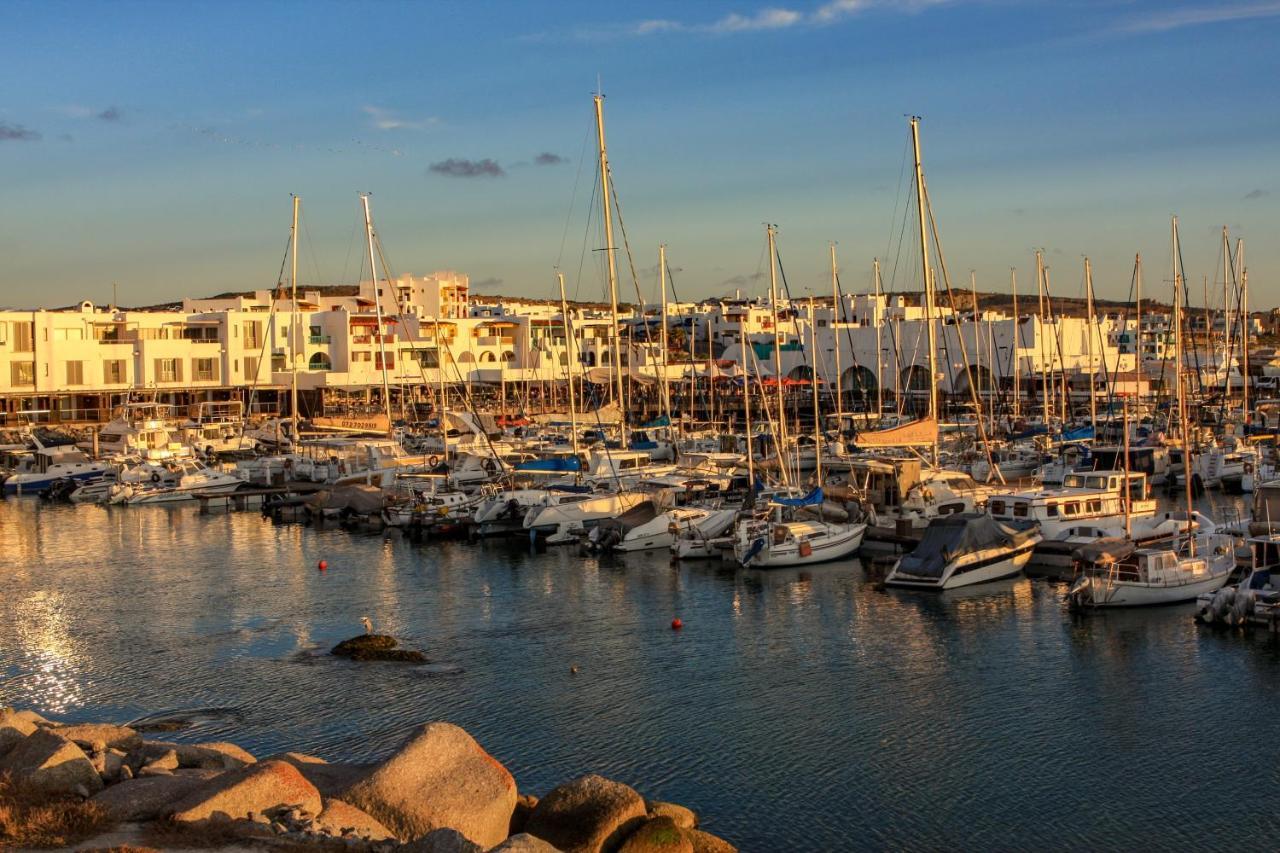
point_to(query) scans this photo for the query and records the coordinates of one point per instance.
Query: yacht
(561, 521)
(138, 429)
(778, 536)
(216, 428)
(46, 465)
(1256, 599)
(643, 528)
(1092, 498)
(962, 550)
(1148, 576)
(702, 539)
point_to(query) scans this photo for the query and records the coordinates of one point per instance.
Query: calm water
(795, 711)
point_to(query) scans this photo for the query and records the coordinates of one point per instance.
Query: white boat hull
(833, 547)
(997, 570)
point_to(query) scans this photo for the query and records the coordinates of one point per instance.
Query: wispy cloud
(743, 280)
(111, 113)
(457, 167)
(1166, 18)
(1253, 195)
(385, 119)
(491, 283)
(17, 133)
(546, 158)
(765, 19)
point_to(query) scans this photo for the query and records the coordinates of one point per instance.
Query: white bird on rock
(368, 626)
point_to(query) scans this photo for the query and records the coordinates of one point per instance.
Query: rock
(658, 835)
(164, 765)
(145, 799)
(88, 734)
(126, 773)
(332, 779)
(112, 764)
(705, 842)
(588, 815)
(295, 758)
(13, 728)
(206, 756)
(525, 843)
(50, 763)
(367, 647)
(256, 788)
(684, 818)
(525, 804)
(33, 718)
(439, 777)
(343, 819)
(443, 840)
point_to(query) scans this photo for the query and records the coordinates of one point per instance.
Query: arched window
(486, 357)
(605, 358)
(319, 361)
(509, 357)
(466, 358)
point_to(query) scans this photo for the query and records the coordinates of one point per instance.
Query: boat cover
(1111, 549)
(814, 498)
(360, 498)
(952, 535)
(1084, 433)
(913, 434)
(554, 465)
(642, 513)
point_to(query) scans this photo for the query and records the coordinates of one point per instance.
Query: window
(1071, 508)
(24, 337)
(428, 357)
(200, 333)
(204, 369)
(106, 333)
(68, 335)
(22, 373)
(319, 361)
(252, 334)
(1095, 506)
(1051, 509)
(997, 507)
(361, 355)
(1020, 510)
(75, 372)
(113, 372)
(278, 363)
(168, 370)
(390, 361)
(251, 367)
(153, 334)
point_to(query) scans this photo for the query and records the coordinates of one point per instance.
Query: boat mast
(444, 400)
(1128, 495)
(1017, 340)
(781, 443)
(1088, 292)
(746, 400)
(294, 325)
(835, 340)
(977, 338)
(1137, 279)
(1244, 327)
(1177, 373)
(377, 307)
(612, 261)
(1044, 376)
(1227, 340)
(877, 322)
(662, 281)
(569, 341)
(817, 411)
(928, 284)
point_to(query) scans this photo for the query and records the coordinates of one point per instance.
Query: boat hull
(985, 571)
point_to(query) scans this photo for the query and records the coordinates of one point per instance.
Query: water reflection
(796, 709)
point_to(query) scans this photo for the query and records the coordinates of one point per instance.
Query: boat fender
(673, 528)
(155, 477)
(433, 461)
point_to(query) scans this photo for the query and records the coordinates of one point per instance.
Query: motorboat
(46, 465)
(1093, 498)
(701, 539)
(1137, 577)
(644, 528)
(1056, 558)
(561, 522)
(138, 429)
(1256, 599)
(1011, 463)
(501, 512)
(179, 480)
(964, 549)
(216, 428)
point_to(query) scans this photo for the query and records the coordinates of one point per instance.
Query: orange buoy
(676, 624)
(322, 565)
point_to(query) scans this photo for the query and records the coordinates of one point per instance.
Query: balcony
(319, 339)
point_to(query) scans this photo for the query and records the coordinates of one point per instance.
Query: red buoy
(676, 624)
(322, 565)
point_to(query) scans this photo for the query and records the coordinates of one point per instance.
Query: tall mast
(1017, 340)
(377, 307)
(835, 340)
(928, 282)
(1227, 340)
(294, 324)
(879, 383)
(1088, 291)
(977, 335)
(607, 209)
(746, 399)
(571, 355)
(1244, 327)
(662, 281)
(1137, 279)
(444, 399)
(1128, 496)
(781, 443)
(817, 411)
(1045, 368)
(1177, 374)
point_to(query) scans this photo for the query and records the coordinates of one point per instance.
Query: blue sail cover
(1084, 433)
(552, 466)
(660, 421)
(813, 498)
(1030, 432)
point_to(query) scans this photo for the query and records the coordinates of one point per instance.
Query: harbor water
(796, 710)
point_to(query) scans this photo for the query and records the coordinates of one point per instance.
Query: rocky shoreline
(438, 792)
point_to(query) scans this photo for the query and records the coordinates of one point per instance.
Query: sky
(154, 146)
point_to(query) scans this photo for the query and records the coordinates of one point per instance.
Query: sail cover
(919, 433)
(814, 498)
(551, 466)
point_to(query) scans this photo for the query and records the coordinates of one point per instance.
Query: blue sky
(156, 144)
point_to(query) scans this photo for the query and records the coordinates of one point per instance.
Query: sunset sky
(156, 144)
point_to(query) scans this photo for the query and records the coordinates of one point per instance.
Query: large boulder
(657, 835)
(145, 799)
(591, 814)
(86, 735)
(13, 728)
(369, 647)
(253, 790)
(341, 819)
(683, 817)
(205, 756)
(48, 762)
(439, 777)
(443, 840)
(525, 843)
